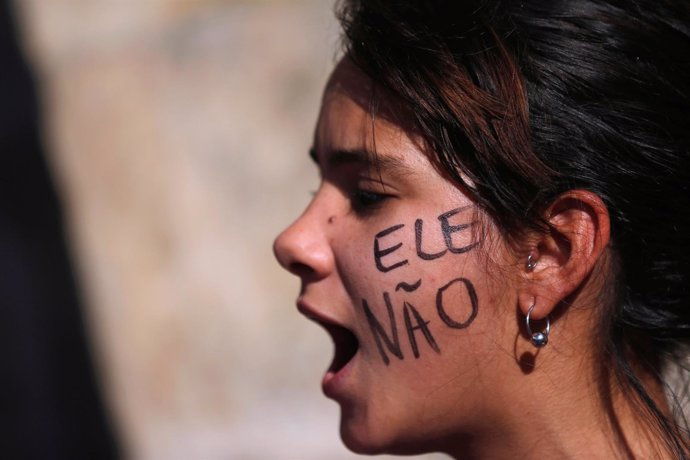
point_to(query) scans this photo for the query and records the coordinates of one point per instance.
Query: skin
(487, 392)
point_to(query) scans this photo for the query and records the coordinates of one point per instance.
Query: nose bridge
(303, 248)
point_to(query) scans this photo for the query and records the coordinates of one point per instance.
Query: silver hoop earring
(531, 263)
(539, 339)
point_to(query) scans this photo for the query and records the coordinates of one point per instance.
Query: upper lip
(317, 315)
(322, 318)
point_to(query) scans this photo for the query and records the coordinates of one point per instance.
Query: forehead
(356, 115)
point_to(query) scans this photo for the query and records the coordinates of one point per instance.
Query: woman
(499, 244)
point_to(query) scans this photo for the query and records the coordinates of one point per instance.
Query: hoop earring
(539, 339)
(531, 263)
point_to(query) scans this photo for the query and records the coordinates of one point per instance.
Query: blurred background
(151, 151)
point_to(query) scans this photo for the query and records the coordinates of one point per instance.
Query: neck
(562, 410)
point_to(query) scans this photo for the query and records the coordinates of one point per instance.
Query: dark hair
(529, 99)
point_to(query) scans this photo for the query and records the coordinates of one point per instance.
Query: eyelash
(364, 201)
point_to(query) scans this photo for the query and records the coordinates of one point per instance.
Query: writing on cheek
(421, 325)
(380, 253)
(441, 306)
(385, 333)
(447, 230)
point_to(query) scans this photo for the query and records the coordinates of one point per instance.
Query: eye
(364, 201)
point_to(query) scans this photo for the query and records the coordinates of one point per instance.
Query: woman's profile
(500, 243)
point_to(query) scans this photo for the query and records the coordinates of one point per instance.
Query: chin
(362, 441)
(373, 438)
(363, 436)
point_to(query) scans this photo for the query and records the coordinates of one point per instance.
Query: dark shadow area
(50, 406)
(525, 359)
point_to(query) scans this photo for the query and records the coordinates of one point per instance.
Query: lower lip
(333, 383)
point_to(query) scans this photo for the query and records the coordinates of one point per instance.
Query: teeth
(346, 346)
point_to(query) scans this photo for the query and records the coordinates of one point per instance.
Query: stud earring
(531, 262)
(539, 339)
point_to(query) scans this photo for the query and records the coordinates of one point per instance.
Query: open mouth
(345, 342)
(346, 346)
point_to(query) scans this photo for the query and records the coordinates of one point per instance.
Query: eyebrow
(363, 157)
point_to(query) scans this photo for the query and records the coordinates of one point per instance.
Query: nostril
(300, 269)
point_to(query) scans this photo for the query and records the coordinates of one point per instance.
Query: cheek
(425, 366)
(425, 307)
(398, 253)
(416, 286)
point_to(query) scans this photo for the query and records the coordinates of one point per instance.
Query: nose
(304, 248)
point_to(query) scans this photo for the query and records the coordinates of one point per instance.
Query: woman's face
(414, 291)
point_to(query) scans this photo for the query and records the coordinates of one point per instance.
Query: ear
(563, 257)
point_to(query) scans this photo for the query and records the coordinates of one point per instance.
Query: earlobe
(560, 260)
